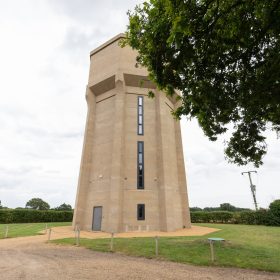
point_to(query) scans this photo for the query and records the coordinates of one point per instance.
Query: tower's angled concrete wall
(108, 173)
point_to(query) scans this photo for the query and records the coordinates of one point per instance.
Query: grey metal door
(97, 218)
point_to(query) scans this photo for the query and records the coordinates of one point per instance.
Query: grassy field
(254, 247)
(17, 230)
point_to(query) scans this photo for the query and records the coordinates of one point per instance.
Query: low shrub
(8, 216)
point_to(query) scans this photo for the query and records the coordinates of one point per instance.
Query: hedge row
(261, 217)
(8, 216)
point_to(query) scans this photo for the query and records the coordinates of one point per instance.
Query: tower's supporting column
(116, 188)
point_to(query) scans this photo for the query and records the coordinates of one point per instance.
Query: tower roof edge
(109, 42)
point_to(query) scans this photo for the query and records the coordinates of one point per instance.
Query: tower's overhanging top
(114, 39)
(110, 63)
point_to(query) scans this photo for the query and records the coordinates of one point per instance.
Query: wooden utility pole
(252, 187)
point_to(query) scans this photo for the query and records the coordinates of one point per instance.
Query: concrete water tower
(132, 174)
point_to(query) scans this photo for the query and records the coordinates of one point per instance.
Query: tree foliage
(227, 207)
(18, 216)
(64, 207)
(223, 207)
(195, 209)
(223, 55)
(274, 207)
(37, 204)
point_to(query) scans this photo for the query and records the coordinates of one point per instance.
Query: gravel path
(32, 258)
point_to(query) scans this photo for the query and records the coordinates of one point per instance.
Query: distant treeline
(269, 217)
(39, 204)
(223, 207)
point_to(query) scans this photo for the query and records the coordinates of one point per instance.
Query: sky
(44, 65)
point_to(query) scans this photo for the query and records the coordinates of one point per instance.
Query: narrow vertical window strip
(140, 165)
(140, 113)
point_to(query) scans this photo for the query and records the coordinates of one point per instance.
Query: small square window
(140, 212)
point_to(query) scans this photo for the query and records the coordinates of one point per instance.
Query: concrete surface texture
(32, 258)
(109, 172)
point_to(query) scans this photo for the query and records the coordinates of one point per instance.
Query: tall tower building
(132, 174)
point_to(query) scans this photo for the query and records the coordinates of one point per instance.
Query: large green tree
(223, 55)
(38, 204)
(64, 207)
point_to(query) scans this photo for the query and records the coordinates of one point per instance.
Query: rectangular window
(140, 119)
(140, 212)
(140, 165)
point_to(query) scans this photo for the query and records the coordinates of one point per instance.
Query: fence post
(112, 242)
(49, 235)
(46, 229)
(212, 251)
(156, 239)
(6, 232)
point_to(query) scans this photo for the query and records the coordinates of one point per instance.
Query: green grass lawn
(17, 230)
(254, 247)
